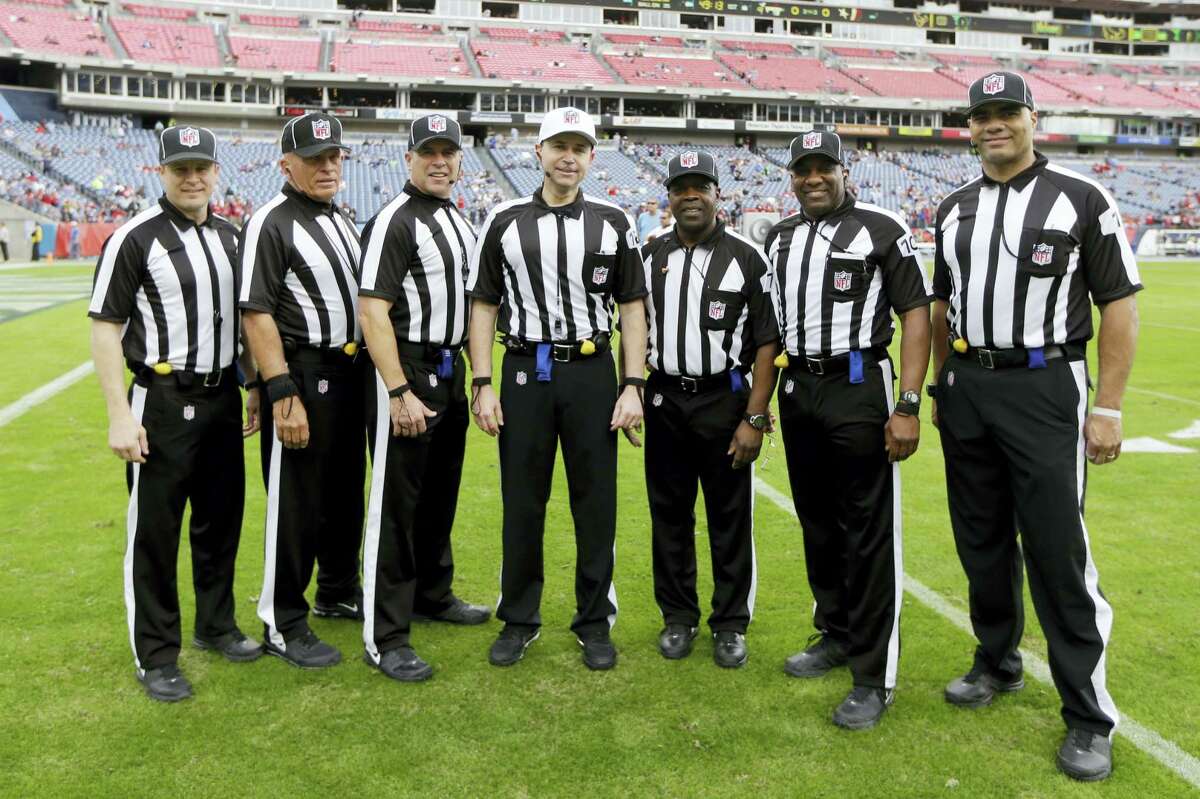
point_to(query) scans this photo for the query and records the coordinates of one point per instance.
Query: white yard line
(39, 395)
(1161, 395)
(1166, 752)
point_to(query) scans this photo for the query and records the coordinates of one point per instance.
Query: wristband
(908, 408)
(1109, 412)
(250, 385)
(281, 387)
(400, 391)
(637, 382)
(476, 382)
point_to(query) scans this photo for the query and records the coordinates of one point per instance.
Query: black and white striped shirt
(555, 272)
(299, 263)
(838, 279)
(1017, 261)
(416, 252)
(172, 283)
(710, 305)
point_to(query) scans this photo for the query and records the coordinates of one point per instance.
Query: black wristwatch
(909, 403)
(756, 420)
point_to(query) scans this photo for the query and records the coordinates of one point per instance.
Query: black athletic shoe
(675, 641)
(599, 654)
(165, 683)
(306, 651)
(402, 664)
(817, 659)
(729, 649)
(459, 612)
(346, 609)
(1085, 756)
(862, 708)
(977, 688)
(510, 645)
(235, 646)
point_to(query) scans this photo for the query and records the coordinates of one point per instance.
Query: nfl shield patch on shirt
(189, 412)
(716, 310)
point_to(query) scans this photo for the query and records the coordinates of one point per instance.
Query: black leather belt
(561, 352)
(690, 385)
(834, 364)
(145, 375)
(1015, 356)
(301, 352)
(429, 353)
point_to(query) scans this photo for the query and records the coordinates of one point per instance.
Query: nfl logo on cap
(689, 160)
(993, 84)
(437, 124)
(189, 137)
(811, 141)
(1042, 254)
(571, 117)
(320, 128)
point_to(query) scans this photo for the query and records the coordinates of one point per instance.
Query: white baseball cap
(567, 120)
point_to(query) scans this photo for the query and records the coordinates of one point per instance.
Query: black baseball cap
(186, 143)
(691, 162)
(815, 142)
(432, 128)
(312, 134)
(1007, 87)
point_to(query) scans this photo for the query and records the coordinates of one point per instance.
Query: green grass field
(75, 722)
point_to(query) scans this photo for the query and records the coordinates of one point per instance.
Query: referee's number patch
(631, 240)
(906, 245)
(1110, 222)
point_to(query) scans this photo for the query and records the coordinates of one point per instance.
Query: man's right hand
(291, 422)
(127, 439)
(409, 415)
(486, 409)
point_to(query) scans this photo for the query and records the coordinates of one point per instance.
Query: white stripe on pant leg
(612, 592)
(893, 648)
(1091, 577)
(383, 435)
(753, 556)
(266, 598)
(138, 406)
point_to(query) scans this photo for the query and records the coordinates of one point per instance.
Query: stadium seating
(645, 40)
(284, 55)
(159, 12)
(644, 70)
(397, 28)
(756, 46)
(167, 42)
(925, 84)
(44, 30)
(268, 21)
(561, 63)
(806, 75)
(521, 34)
(862, 53)
(386, 58)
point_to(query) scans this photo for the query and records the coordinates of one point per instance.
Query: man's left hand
(1103, 437)
(627, 415)
(900, 436)
(253, 414)
(745, 446)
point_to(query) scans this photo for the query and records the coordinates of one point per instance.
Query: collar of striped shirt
(412, 191)
(710, 241)
(179, 218)
(314, 207)
(1021, 179)
(574, 209)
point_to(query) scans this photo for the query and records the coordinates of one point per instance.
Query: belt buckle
(565, 349)
(985, 358)
(815, 366)
(212, 379)
(689, 384)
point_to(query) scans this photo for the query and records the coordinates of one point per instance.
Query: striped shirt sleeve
(485, 280)
(904, 275)
(262, 265)
(631, 273)
(763, 323)
(119, 274)
(1108, 264)
(387, 254)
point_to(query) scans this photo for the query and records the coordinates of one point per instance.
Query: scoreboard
(917, 19)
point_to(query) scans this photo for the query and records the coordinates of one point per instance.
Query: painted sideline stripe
(1166, 752)
(40, 395)
(1161, 395)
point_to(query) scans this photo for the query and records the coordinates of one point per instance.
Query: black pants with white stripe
(314, 496)
(195, 438)
(687, 441)
(847, 497)
(408, 563)
(1014, 453)
(574, 408)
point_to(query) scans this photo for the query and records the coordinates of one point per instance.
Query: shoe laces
(1081, 739)
(861, 693)
(309, 639)
(513, 633)
(171, 671)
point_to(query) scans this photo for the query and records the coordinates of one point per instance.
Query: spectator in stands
(4, 240)
(35, 239)
(648, 219)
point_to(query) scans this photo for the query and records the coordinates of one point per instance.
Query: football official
(842, 267)
(549, 267)
(164, 303)
(299, 291)
(711, 320)
(1022, 252)
(413, 312)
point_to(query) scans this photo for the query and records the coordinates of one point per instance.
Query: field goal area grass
(76, 722)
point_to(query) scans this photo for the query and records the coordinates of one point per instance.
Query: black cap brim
(177, 157)
(668, 181)
(816, 153)
(991, 100)
(317, 149)
(435, 137)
